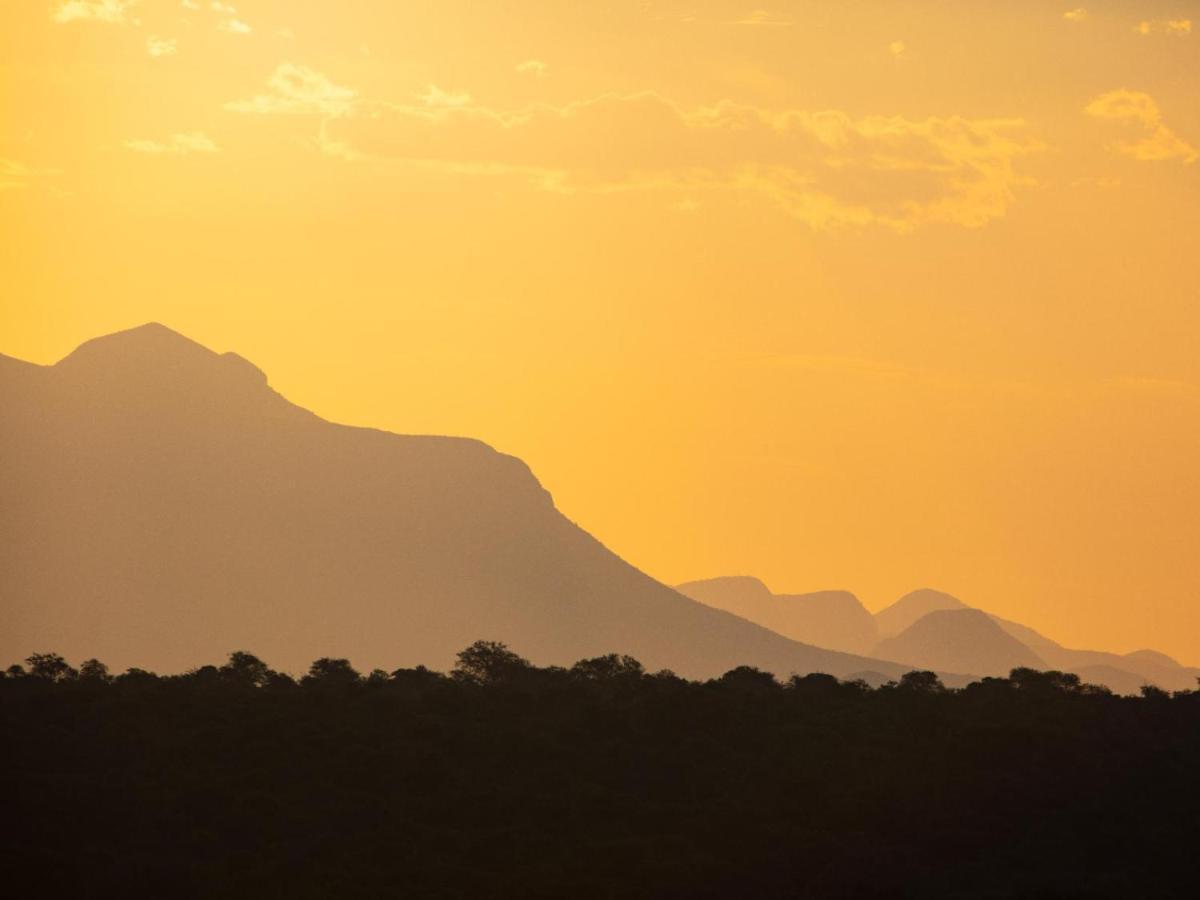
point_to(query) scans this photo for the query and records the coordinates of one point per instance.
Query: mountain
(965, 644)
(1119, 681)
(833, 619)
(1121, 673)
(161, 505)
(1113, 670)
(958, 640)
(892, 620)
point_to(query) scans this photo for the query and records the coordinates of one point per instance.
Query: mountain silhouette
(833, 619)
(1123, 673)
(162, 505)
(959, 640)
(892, 620)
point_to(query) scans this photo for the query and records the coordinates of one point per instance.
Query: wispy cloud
(532, 67)
(297, 90)
(157, 46)
(179, 144)
(897, 49)
(761, 17)
(826, 168)
(1079, 14)
(16, 175)
(235, 26)
(1153, 140)
(436, 97)
(229, 22)
(113, 12)
(1176, 27)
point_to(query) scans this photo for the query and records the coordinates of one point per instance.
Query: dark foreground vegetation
(506, 780)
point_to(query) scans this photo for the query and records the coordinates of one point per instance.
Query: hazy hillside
(161, 505)
(892, 620)
(834, 619)
(1115, 670)
(1121, 673)
(959, 640)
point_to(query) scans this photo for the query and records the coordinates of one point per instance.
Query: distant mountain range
(161, 505)
(825, 618)
(930, 629)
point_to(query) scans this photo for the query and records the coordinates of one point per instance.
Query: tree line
(506, 779)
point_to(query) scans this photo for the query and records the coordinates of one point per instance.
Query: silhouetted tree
(820, 685)
(136, 676)
(606, 668)
(749, 679)
(331, 672)
(921, 682)
(488, 662)
(1035, 681)
(280, 680)
(207, 673)
(246, 669)
(94, 670)
(418, 677)
(50, 667)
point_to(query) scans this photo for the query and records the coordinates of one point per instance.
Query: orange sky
(861, 295)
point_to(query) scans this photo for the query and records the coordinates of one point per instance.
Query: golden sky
(866, 295)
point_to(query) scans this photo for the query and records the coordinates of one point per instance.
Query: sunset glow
(864, 296)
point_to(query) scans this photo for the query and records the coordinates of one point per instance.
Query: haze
(844, 296)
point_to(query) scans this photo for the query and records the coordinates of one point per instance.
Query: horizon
(840, 297)
(157, 347)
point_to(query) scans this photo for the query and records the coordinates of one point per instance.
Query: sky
(860, 295)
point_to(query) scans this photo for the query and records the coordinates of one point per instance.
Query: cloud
(897, 49)
(436, 97)
(111, 11)
(15, 175)
(179, 144)
(157, 46)
(297, 90)
(1076, 15)
(1177, 27)
(235, 26)
(1153, 140)
(532, 67)
(190, 4)
(825, 168)
(760, 17)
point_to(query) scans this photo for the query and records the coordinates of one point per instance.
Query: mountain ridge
(831, 618)
(166, 505)
(1123, 673)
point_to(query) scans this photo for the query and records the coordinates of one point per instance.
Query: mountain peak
(959, 640)
(834, 619)
(153, 347)
(912, 606)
